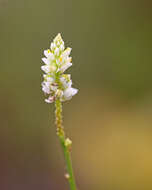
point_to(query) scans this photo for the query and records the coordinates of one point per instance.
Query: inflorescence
(56, 84)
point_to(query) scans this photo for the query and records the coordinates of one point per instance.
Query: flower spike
(57, 61)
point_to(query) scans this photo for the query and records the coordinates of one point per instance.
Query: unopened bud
(68, 142)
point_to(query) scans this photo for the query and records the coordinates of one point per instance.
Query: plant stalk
(65, 146)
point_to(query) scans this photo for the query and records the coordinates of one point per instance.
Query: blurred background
(109, 121)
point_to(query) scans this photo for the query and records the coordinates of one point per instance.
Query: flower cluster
(56, 84)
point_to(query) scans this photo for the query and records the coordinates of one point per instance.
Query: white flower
(67, 52)
(47, 52)
(65, 66)
(52, 46)
(46, 87)
(56, 84)
(50, 99)
(50, 79)
(61, 47)
(56, 52)
(45, 60)
(45, 68)
(68, 93)
(49, 68)
(66, 81)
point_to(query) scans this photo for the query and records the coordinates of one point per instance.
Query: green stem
(66, 147)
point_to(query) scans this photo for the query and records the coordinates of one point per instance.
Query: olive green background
(109, 120)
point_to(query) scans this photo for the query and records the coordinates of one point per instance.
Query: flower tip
(58, 38)
(59, 34)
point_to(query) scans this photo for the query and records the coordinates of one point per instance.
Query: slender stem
(65, 146)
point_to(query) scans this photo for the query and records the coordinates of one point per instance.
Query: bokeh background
(109, 121)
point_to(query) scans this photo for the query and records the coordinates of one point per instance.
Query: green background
(109, 121)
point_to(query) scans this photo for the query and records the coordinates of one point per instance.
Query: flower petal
(65, 66)
(50, 99)
(45, 68)
(69, 92)
(45, 60)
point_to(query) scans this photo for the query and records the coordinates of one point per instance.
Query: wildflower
(57, 60)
